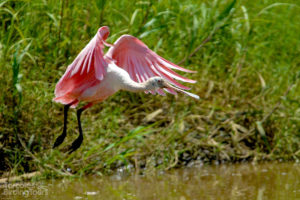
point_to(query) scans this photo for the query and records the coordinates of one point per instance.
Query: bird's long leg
(61, 138)
(76, 144)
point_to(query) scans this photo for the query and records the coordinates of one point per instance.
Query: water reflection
(244, 181)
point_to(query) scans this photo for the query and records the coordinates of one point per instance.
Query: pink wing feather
(88, 69)
(141, 63)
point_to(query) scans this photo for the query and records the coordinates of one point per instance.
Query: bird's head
(157, 83)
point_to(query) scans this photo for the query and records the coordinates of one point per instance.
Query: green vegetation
(246, 54)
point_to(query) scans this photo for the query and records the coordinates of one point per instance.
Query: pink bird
(128, 65)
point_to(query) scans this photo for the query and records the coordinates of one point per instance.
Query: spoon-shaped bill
(182, 91)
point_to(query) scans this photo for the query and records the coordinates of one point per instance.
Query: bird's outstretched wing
(88, 68)
(141, 63)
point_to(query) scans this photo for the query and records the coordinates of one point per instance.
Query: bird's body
(114, 80)
(128, 65)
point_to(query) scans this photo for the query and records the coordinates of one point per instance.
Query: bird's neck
(133, 86)
(124, 81)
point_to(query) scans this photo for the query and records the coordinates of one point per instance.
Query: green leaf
(262, 132)
(100, 4)
(227, 10)
(133, 17)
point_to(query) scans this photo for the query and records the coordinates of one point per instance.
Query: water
(244, 181)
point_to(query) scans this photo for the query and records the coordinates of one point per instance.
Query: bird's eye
(159, 81)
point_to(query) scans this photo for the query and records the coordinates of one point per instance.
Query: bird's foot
(59, 140)
(75, 145)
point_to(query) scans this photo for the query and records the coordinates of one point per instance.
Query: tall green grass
(246, 54)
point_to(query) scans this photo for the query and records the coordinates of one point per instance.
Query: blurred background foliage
(246, 54)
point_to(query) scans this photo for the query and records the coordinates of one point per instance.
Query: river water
(270, 181)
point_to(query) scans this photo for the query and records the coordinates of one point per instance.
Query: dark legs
(61, 138)
(77, 143)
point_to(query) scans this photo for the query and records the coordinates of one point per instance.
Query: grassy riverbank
(246, 54)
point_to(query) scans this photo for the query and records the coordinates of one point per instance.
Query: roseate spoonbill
(128, 65)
